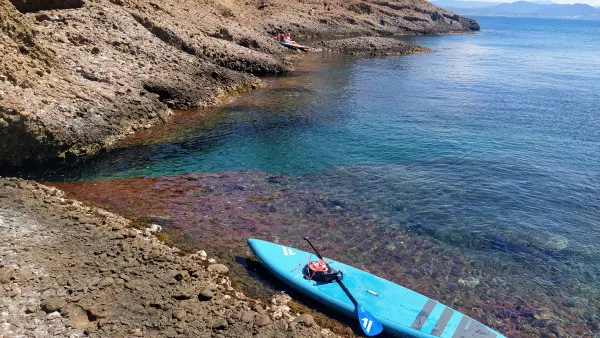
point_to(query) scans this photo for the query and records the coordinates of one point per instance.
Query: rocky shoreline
(78, 75)
(71, 270)
(372, 46)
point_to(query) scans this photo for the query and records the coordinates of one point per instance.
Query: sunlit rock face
(95, 71)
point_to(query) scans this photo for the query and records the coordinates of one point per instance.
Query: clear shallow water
(523, 92)
(487, 147)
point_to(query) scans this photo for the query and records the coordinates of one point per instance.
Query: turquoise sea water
(489, 146)
(522, 92)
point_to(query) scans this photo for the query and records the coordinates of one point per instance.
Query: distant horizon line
(543, 2)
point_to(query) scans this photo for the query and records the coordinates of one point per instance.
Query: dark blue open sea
(471, 174)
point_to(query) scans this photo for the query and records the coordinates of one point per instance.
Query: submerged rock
(557, 243)
(470, 282)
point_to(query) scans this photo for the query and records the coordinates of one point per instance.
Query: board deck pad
(400, 310)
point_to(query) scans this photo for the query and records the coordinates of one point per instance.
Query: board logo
(366, 324)
(370, 325)
(287, 251)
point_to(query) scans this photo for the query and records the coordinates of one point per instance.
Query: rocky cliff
(77, 75)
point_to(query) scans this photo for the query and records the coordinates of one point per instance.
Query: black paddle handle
(313, 247)
(338, 279)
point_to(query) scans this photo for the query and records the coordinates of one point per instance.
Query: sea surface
(470, 174)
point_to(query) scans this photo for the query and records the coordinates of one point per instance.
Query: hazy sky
(589, 2)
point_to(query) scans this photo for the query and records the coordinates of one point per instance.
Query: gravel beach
(70, 270)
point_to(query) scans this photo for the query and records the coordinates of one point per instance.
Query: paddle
(368, 323)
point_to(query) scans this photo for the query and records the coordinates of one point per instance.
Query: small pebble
(262, 320)
(220, 324)
(205, 295)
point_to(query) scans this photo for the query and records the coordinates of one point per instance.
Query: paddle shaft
(338, 279)
(316, 251)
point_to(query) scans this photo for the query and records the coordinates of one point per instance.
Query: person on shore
(282, 37)
(289, 38)
(262, 5)
(325, 4)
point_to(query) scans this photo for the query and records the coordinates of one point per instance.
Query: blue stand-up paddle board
(402, 312)
(295, 46)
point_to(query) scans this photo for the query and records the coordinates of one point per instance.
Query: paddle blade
(368, 323)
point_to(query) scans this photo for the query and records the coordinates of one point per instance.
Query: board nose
(253, 244)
